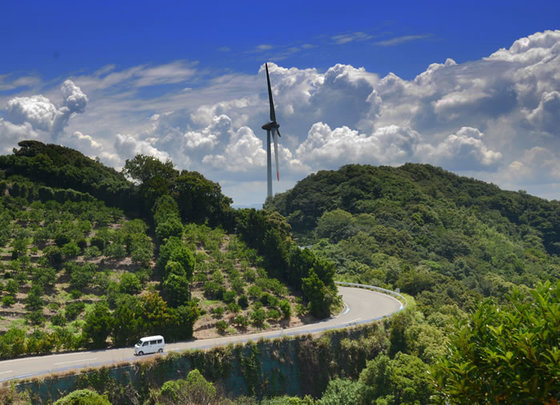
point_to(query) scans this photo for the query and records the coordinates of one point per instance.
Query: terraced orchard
(57, 261)
(78, 274)
(232, 288)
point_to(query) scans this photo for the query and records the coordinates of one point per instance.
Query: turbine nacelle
(270, 126)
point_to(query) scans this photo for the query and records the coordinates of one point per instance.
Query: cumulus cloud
(463, 150)
(330, 148)
(38, 111)
(41, 113)
(536, 165)
(547, 114)
(243, 153)
(497, 117)
(127, 146)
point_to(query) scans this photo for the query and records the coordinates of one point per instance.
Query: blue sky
(185, 81)
(61, 37)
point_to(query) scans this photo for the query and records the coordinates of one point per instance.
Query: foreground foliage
(507, 354)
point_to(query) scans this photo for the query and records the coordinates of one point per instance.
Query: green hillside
(481, 263)
(90, 259)
(426, 231)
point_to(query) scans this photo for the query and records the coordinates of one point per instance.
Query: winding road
(361, 306)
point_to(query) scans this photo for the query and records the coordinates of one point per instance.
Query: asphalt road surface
(361, 306)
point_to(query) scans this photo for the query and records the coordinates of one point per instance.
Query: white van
(149, 344)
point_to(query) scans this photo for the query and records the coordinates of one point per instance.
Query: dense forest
(93, 257)
(469, 253)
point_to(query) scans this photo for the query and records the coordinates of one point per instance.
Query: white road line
(74, 361)
(5, 372)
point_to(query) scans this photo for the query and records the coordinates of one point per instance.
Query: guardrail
(402, 299)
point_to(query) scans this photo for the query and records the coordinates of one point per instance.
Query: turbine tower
(271, 130)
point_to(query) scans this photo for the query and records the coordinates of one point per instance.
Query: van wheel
(140, 353)
(160, 351)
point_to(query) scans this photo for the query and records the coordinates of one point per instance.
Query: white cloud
(402, 39)
(42, 114)
(487, 118)
(35, 110)
(127, 146)
(243, 153)
(463, 150)
(547, 114)
(330, 148)
(352, 37)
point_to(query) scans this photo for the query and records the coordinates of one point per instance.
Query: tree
(98, 325)
(506, 354)
(320, 297)
(155, 177)
(170, 227)
(83, 397)
(130, 284)
(176, 289)
(201, 200)
(401, 380)
(127, 321)
(343, 392)
(335, 225)
(195, 389)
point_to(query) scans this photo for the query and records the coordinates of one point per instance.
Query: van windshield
(139, 343)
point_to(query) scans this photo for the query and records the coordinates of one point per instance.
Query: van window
(145, 343)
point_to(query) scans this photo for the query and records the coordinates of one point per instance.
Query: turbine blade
(275, 137)
(270, 102)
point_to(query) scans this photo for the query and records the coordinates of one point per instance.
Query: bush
(58, 320)
(130, 284)
(221, 326)
(83, 397)
(241, 321)
(54, 255)
(229, 296)
(73, 309)
(71, 250)
(12, 287)
(213, 290)
(258, 317)
(8, 300)
(218, 312)
(242, 301)
(286, 308)
(273, 314)
(61, 239)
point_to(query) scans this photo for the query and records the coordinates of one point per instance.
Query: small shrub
(241, 321)
(61, 239)
(258, 317)
(221, 326)
(229, 296)
(218, 312)
(273, 314)
(234, 307)
(8, 300)
(73, 309)
(242, 301)
(58, 320)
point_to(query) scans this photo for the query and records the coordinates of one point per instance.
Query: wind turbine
(271, 129)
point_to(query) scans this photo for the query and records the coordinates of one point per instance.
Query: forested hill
(409, 194)
(60, 167)
(410, 226)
